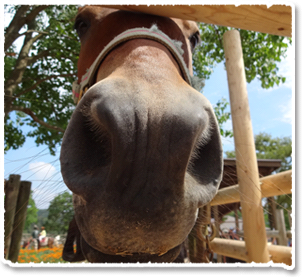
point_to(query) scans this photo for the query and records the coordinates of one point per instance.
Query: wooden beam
(236, 249)
(272, 185)
(276, 20)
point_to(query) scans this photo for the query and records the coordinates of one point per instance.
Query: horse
(142, 151)
(49, 242)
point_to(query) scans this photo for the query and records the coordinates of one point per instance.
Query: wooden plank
(272, 185)
(236, 249)
(276, 20)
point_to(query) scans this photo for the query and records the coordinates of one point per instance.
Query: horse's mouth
(85, 251)
(96, 256)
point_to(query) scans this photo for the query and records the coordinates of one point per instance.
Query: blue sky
(271, 112)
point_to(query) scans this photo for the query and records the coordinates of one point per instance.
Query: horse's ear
(72, 235)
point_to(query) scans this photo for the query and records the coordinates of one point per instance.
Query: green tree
(222, 116)
(42, 217)
(261, 52)
(38, 77)
(60, 213)
(31, 215)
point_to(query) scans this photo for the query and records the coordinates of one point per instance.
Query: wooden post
(236, 218)
(19, 220)
(280, 224)
(217, 226)
(289, 212)
(246, 161)
(272, 212)
(205, 220)
(196, 246)
(10, 202)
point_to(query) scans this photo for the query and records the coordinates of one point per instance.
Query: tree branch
(36, 119)
(31, 31)
(19, 20)
(12, 31)
(17, 74)
(33, 59)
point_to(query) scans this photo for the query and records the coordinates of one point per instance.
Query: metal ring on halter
(208, 238)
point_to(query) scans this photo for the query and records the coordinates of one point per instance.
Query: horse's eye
(81, 26)
(194, 40)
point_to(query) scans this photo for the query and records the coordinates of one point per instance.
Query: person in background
(42, 234)
(35, 237)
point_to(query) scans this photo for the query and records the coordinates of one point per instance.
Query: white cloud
(42, 170)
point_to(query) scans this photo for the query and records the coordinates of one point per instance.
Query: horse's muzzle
(140, 162)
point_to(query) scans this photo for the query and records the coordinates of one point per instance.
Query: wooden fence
(277, 184)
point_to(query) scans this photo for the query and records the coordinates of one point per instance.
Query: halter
(153, 33)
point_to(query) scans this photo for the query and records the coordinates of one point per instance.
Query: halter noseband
(153, 33)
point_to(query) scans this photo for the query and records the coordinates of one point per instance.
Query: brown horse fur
(142, 151)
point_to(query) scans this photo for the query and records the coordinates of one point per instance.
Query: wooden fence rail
(272, 185)
(237, 249)
(276, 19)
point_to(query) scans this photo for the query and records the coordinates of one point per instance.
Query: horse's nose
(148, 132)
(137, 141)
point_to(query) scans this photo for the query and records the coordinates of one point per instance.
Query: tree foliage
(261, 52)
(60, 213)
(38, 77)
(222, 117)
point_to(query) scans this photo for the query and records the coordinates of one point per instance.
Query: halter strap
(153, 33)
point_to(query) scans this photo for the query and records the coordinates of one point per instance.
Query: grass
(45, 255)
